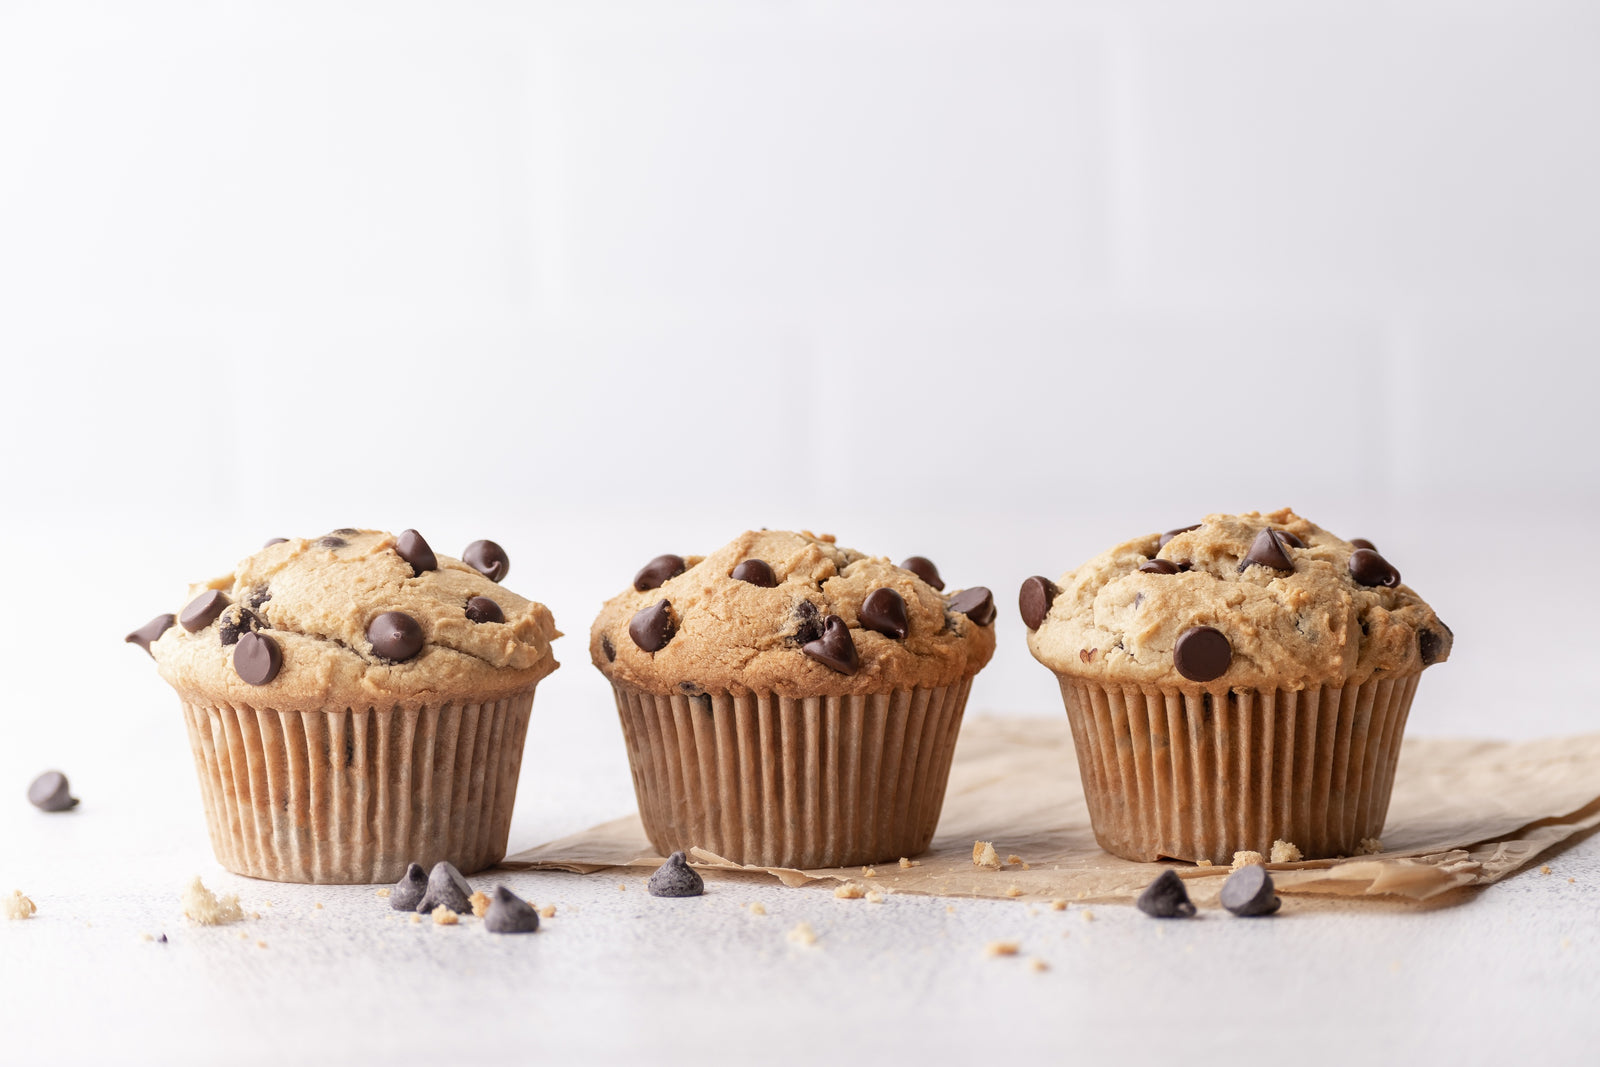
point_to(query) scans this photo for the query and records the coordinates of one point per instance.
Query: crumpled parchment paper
(1464, 813)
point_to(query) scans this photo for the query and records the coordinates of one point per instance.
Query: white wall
(1002, 283)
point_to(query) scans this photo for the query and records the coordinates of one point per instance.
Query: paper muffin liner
(1199, 776)
(352, 795)
(780, 781)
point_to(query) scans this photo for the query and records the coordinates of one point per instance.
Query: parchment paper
(1463, 813)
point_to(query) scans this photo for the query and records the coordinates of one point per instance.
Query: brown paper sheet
(1463, 813)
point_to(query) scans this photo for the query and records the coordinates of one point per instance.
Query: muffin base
(352, 795)
(1198, 776)
(775, 781)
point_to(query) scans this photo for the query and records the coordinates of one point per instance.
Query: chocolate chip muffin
(356, 703)
(790, 703)
(1233, 683)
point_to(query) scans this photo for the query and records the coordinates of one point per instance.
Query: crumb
(1246, 859)
(1082, 893)
(244, 936)
(1285, 852)
(383, 892)
(547, 912)
(146, 937)
(255, 915)
(1002, 948)
(868, 872)
(1014, 860)
(1088, 916)
(1544, 870)
(1037, 966)
(443, 916)
(758, 908)
(850, 891)
(318, 905)
(1027, 866)
(261, 944)
(1204, 863)
(206, 908)
(622, 887)
(1571, 880)
(415, 917)
(17, 906)
(802, 934)
(984, 856)
(479, 902)
(874, 897)
(1369, 846)
(1013, 891)
(950, 909)
(1058, 905)
(906, 865)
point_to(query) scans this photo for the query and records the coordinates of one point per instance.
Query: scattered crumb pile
(17, 906)
(1248, 859)
(906, 865)
(206, 908)
(850, 891)
(479, 902)
(1285, 852)
(874, 897)
(802, 934)
(984, 856)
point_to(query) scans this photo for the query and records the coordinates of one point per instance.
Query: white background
(997, 283)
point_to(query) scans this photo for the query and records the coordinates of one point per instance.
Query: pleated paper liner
(352, 795)
(1199, 776)
(792, 782)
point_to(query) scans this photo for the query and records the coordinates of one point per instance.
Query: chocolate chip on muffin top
(792, 613)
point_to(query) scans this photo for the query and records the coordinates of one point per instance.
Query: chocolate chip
(1249, 892)
(145, 635)
(347, 531)
(1368, 568)
(1158, 566)
(754, 571)
(1430, 645)
(482, 609)
(509, 914)
(235, 622)
(1202, 654)
(1294, 542)
(1170, 534)
(259, 596)
(395, 636)
(411, 547)
(1166, 897)
(1269, 551)
(1034, 601)
(257, 658)
(50, 792)
(653, 574)
(446, 889)
(331, 541)
(203, 610)
(976, 604)
(608, 648)
(488, 559)
(675, 878)
(923, 568)
(275, 541)
(884, 610)
(652, 627)
(835, 648)
(808, 623)
(410, 889)
(1362, 542)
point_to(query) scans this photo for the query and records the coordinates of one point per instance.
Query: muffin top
(1237, 601)
(356, 617)
(791, 613)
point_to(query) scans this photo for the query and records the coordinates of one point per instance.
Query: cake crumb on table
(1002, 948)
(443, 916)
(261, 944)
(757, 908)
(17, 906)
(869, 872)
(1285, 852)
(1013, 891)
(1247, 858)
(383, 892)
(1037, 966)
(318, 905)
(850, 891)
(874, 897)
(547, 912)
(415, 917)
(479, 902)
(984, 856)
(1204, 863)
(1369, 846)
(906, 865)
(206, 908)
(1058, 905)
(1088, 916)
(1014, 860)
(1544, 870)
(802, 934)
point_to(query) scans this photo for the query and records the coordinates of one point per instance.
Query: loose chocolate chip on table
(50, 792)
(1170, 534)
(257, 658)
(808, 623)
(923, 568)
(976, 604)
(411, 547)
(410, 889)
(1294, 542)
(1166, 897)
(509, 914)
(203, 610)
(652, 627)
(1158, 566)
(1362, 542)
(446, 889)
(608, 648)
(756, 572)
(488, 559)
(331, 541)
(1369, 568)
(482, 609)
(1034, 601)
(1249, 892)
(151, 630)
(1202, 654)
(1430, 645)
(236, 622)
(675, 878)
(884, 610)
(275, 541)
(655, 573)
(395, 636)
(835, 648)
(1269, 551)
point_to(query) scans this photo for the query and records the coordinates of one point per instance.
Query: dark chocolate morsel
(274, 541)
(259, 596)
(411, 547)
(1429, 644)
(1249, 892)
(257, 658)
(488, 559)
(1034, 601)
(347, 531)
(652, 627)
(203, 610)
(1291, 539)
(235, 622)
(835, 648)
(446, 889)
(756, 572)
(1166, 897)
(976, 604)
(1159, 566)
(1170, 534)
(807, 623)
(655, 573)
(1362, 542)
(395, 636)
(410, 889)
(884, 610)
(675, 878)
(482, 609)
(509, 914)
(145, 635)
(1269, 551)
(923, 568)
(608, 648)
(50, 792)
(1369, 568)
(1202, 654)
(330, 541)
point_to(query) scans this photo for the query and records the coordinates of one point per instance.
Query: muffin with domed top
(790, 703)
